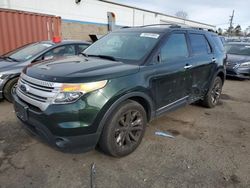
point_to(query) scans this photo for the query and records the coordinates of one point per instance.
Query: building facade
(83, 17)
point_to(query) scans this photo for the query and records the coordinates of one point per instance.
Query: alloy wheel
(129, 128)
(215, 93)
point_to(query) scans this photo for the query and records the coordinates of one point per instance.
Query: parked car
(12, 63)
(126, 79)
(238, 60)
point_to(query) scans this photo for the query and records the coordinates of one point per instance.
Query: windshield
(27, 52)
(128, 47)
(238, 49)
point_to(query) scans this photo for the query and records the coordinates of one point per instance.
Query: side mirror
(156, 59)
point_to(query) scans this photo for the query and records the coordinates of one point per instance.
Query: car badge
(24, 88)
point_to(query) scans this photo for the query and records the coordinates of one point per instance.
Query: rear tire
(212, 97)
(9, 89)
(124, 129)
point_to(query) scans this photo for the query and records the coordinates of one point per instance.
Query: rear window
(199, 44)
(218, 43)
(82, 47)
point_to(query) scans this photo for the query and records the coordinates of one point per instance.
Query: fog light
(60, 142)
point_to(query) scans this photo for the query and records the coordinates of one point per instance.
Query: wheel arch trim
(10, 77)
(122, 99)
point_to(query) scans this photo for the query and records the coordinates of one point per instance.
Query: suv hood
(79, 69)
(237, 58)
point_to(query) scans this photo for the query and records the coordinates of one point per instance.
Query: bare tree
(219, 31)
(182, 14)
(237, 30)
(247, 31)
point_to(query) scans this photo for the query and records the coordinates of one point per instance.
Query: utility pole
(231, 23)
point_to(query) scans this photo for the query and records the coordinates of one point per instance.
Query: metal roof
(137, 8)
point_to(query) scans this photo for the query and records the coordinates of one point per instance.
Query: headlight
(246, 64)
(71, 92)
(67, 97)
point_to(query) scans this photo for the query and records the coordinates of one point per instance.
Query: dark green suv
(107, 95)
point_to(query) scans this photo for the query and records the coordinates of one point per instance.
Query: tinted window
(218, 43)
(174, 48)
(61, 51)
(199, 44)
(82, 47)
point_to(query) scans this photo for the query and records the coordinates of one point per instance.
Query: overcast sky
(215, 12)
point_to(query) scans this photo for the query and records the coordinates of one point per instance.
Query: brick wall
(80, 31)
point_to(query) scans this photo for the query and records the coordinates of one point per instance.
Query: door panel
(172, 81)
(203, 64)
(201, 74)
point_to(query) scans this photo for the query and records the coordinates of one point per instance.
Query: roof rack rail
(170, 25)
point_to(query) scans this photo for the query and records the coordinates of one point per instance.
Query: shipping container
(18, 28)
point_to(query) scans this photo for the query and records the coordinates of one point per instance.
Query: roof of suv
(158, 28)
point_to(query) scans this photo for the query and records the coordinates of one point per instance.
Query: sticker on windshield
(47, 45)
(150, 35)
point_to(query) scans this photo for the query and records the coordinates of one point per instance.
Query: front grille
(36, 92)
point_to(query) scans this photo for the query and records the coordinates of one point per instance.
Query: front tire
(9, 89)
(124, 130)
(212, 97)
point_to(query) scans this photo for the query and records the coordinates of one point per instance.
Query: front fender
(8, 78)
(114, 103)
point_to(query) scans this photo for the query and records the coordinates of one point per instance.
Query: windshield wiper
(84, 54)
(103, 57)
(10, 58)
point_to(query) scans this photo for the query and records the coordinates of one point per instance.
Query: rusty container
(18, 28)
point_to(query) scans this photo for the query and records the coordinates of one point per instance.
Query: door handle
(188, 66)
(214, 60)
